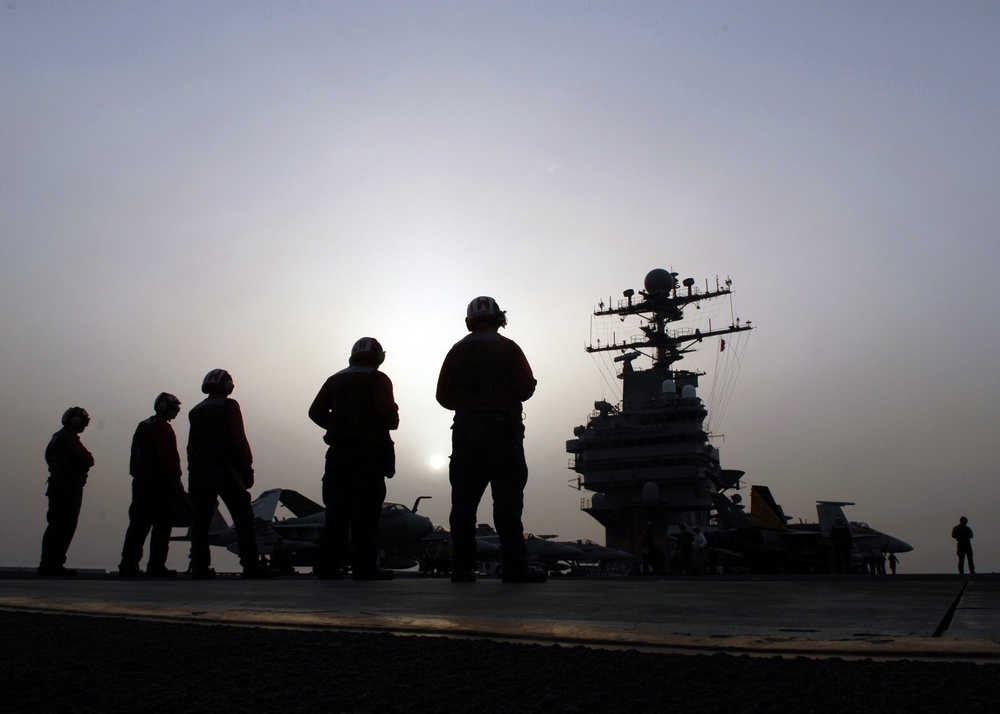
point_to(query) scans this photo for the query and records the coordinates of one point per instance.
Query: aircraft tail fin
(266, 537)
(266, 504)
(729, 514)
(764, 511)
(828, 512)
(218, 523)
(217, 527)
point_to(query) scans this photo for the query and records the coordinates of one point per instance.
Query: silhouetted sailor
(842, 541)
(698, 551)
(685, 544)
(963, 535)
(155, 466)
(357, 409)
(652, 556)
(220, 465)
(484, 379)
(427, 560)
(442, 558)
(68, 461)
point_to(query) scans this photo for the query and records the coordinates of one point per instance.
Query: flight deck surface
(895, 617)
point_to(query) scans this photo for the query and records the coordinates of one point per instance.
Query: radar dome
(659, 281)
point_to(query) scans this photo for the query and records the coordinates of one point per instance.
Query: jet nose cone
(896, 545)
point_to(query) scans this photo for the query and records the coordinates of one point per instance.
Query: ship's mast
(650, 462)
(661, 303)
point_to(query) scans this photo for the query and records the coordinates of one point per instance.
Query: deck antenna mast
(659, 304)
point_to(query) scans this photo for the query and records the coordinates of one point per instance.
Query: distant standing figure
(685, 544)
(652, 556)
(698, 551)
(842, 541)
(442, 559)
(963, 534)
(357, 409)
(893, 562)
(427, 561)
(155, 466)
(220, 465)
(69, 462)
(485, 379)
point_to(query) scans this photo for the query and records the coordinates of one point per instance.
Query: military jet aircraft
(768, 543)
(552, 555)
(428, 547)
(592, 552)
(294, 541)
(542, 549)
(596, 558)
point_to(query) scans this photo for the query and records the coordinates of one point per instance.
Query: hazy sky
(255, 185)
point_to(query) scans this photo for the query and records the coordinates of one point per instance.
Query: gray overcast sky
(255, 185)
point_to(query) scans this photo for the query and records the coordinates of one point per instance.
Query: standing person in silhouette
(155, 466)
(69, 462)
(652, 556)
(357, 409)
(698, 551)
(842, 540)
(963, 535)
(893, 562)
(220, 465)
(685, 544)
(485, 379)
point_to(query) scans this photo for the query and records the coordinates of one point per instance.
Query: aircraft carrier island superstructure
(649, 458)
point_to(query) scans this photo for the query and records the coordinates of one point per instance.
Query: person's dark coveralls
(842, 541)
(484, 379)
(685, 543)
(357, 409)
(155, 466)
(220, 465)
(652, 556)
(963, 535)
(69, 462)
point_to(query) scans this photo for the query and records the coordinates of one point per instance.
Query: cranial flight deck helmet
(484, 310)
(166, 402)
(218, 380)
(76, 418)
(367, 351)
